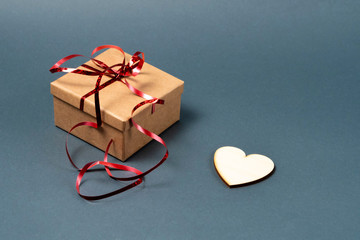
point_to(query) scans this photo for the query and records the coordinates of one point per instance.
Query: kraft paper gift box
(116, 104)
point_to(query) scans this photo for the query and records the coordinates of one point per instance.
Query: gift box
(116, 104)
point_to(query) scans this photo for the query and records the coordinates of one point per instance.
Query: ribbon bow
(133, 68)
(116, 72)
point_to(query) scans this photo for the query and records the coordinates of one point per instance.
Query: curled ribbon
(116, 72)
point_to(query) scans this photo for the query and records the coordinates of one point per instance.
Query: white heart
(235, 168)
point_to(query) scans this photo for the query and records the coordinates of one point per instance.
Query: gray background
(279, 78)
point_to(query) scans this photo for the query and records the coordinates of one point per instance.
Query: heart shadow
(251, 183)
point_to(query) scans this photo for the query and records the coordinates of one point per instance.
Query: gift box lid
(116, 100)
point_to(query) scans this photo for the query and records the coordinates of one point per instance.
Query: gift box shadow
(178, 130)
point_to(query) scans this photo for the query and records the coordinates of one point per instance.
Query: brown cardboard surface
(116, 100)
(125, 142)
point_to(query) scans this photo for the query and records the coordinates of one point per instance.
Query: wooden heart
(235, 168)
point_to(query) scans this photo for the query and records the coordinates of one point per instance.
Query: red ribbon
(116, 72)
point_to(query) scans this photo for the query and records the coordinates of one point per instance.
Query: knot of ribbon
(132, 68)
(116, 72)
